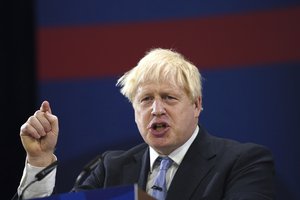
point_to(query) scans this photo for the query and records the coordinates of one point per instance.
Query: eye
(146, 99)
(169, 98)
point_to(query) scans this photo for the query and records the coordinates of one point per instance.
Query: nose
(158, 107)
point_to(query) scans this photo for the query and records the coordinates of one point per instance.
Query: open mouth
(159, 126)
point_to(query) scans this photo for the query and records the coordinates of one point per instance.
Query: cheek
(141, 125)
(139, 119)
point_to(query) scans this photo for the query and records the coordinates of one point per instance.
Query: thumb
(45, 107)
(53, 121)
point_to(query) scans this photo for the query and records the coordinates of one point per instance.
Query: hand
(39, 136)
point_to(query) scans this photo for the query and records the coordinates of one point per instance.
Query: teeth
(159, 126)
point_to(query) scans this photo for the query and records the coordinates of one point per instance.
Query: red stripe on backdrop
(214, 42)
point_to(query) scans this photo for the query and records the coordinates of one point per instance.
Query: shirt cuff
(40, 188)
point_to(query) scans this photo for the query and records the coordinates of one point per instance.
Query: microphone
(43, 173)
(86, 170)
(155, 187)
(39, 176)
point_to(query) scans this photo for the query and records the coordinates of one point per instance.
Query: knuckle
(37, 113)
(24, 128)
(55, 117)
(31, 118)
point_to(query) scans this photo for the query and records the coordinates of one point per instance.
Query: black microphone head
(86, 170)
(39, 176)
(92, 164)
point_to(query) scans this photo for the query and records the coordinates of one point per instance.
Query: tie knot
(165, 163)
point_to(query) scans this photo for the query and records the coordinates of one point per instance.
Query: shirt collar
(176, 155)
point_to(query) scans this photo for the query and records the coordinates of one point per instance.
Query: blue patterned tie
(159, 189)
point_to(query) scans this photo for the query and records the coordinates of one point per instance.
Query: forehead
(163, 87)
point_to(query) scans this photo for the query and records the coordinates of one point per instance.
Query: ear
(198, 106)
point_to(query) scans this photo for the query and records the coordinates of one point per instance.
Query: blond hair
(162, 65)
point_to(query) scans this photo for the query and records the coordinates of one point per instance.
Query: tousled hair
(162, 65)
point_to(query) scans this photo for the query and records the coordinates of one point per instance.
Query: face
(165, 115)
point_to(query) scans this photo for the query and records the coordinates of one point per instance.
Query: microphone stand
(86, 170)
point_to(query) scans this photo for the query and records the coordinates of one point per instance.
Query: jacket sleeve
(252, 176)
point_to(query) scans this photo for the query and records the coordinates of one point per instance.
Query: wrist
(41, 161)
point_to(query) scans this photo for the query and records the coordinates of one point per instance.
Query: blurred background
(71, 53)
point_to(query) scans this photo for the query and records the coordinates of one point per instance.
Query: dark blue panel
(79, 12)
(258, 104)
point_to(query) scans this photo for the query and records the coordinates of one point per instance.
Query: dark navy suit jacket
(212, 169)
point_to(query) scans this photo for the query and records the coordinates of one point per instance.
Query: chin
(163, 149)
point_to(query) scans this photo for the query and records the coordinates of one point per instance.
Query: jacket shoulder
(125, 154)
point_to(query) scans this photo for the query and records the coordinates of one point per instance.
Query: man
(165, 92)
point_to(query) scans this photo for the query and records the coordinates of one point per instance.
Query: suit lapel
(136, 170)
(197, 162)
(145, 167)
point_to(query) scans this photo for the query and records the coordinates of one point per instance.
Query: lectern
(130, 192)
